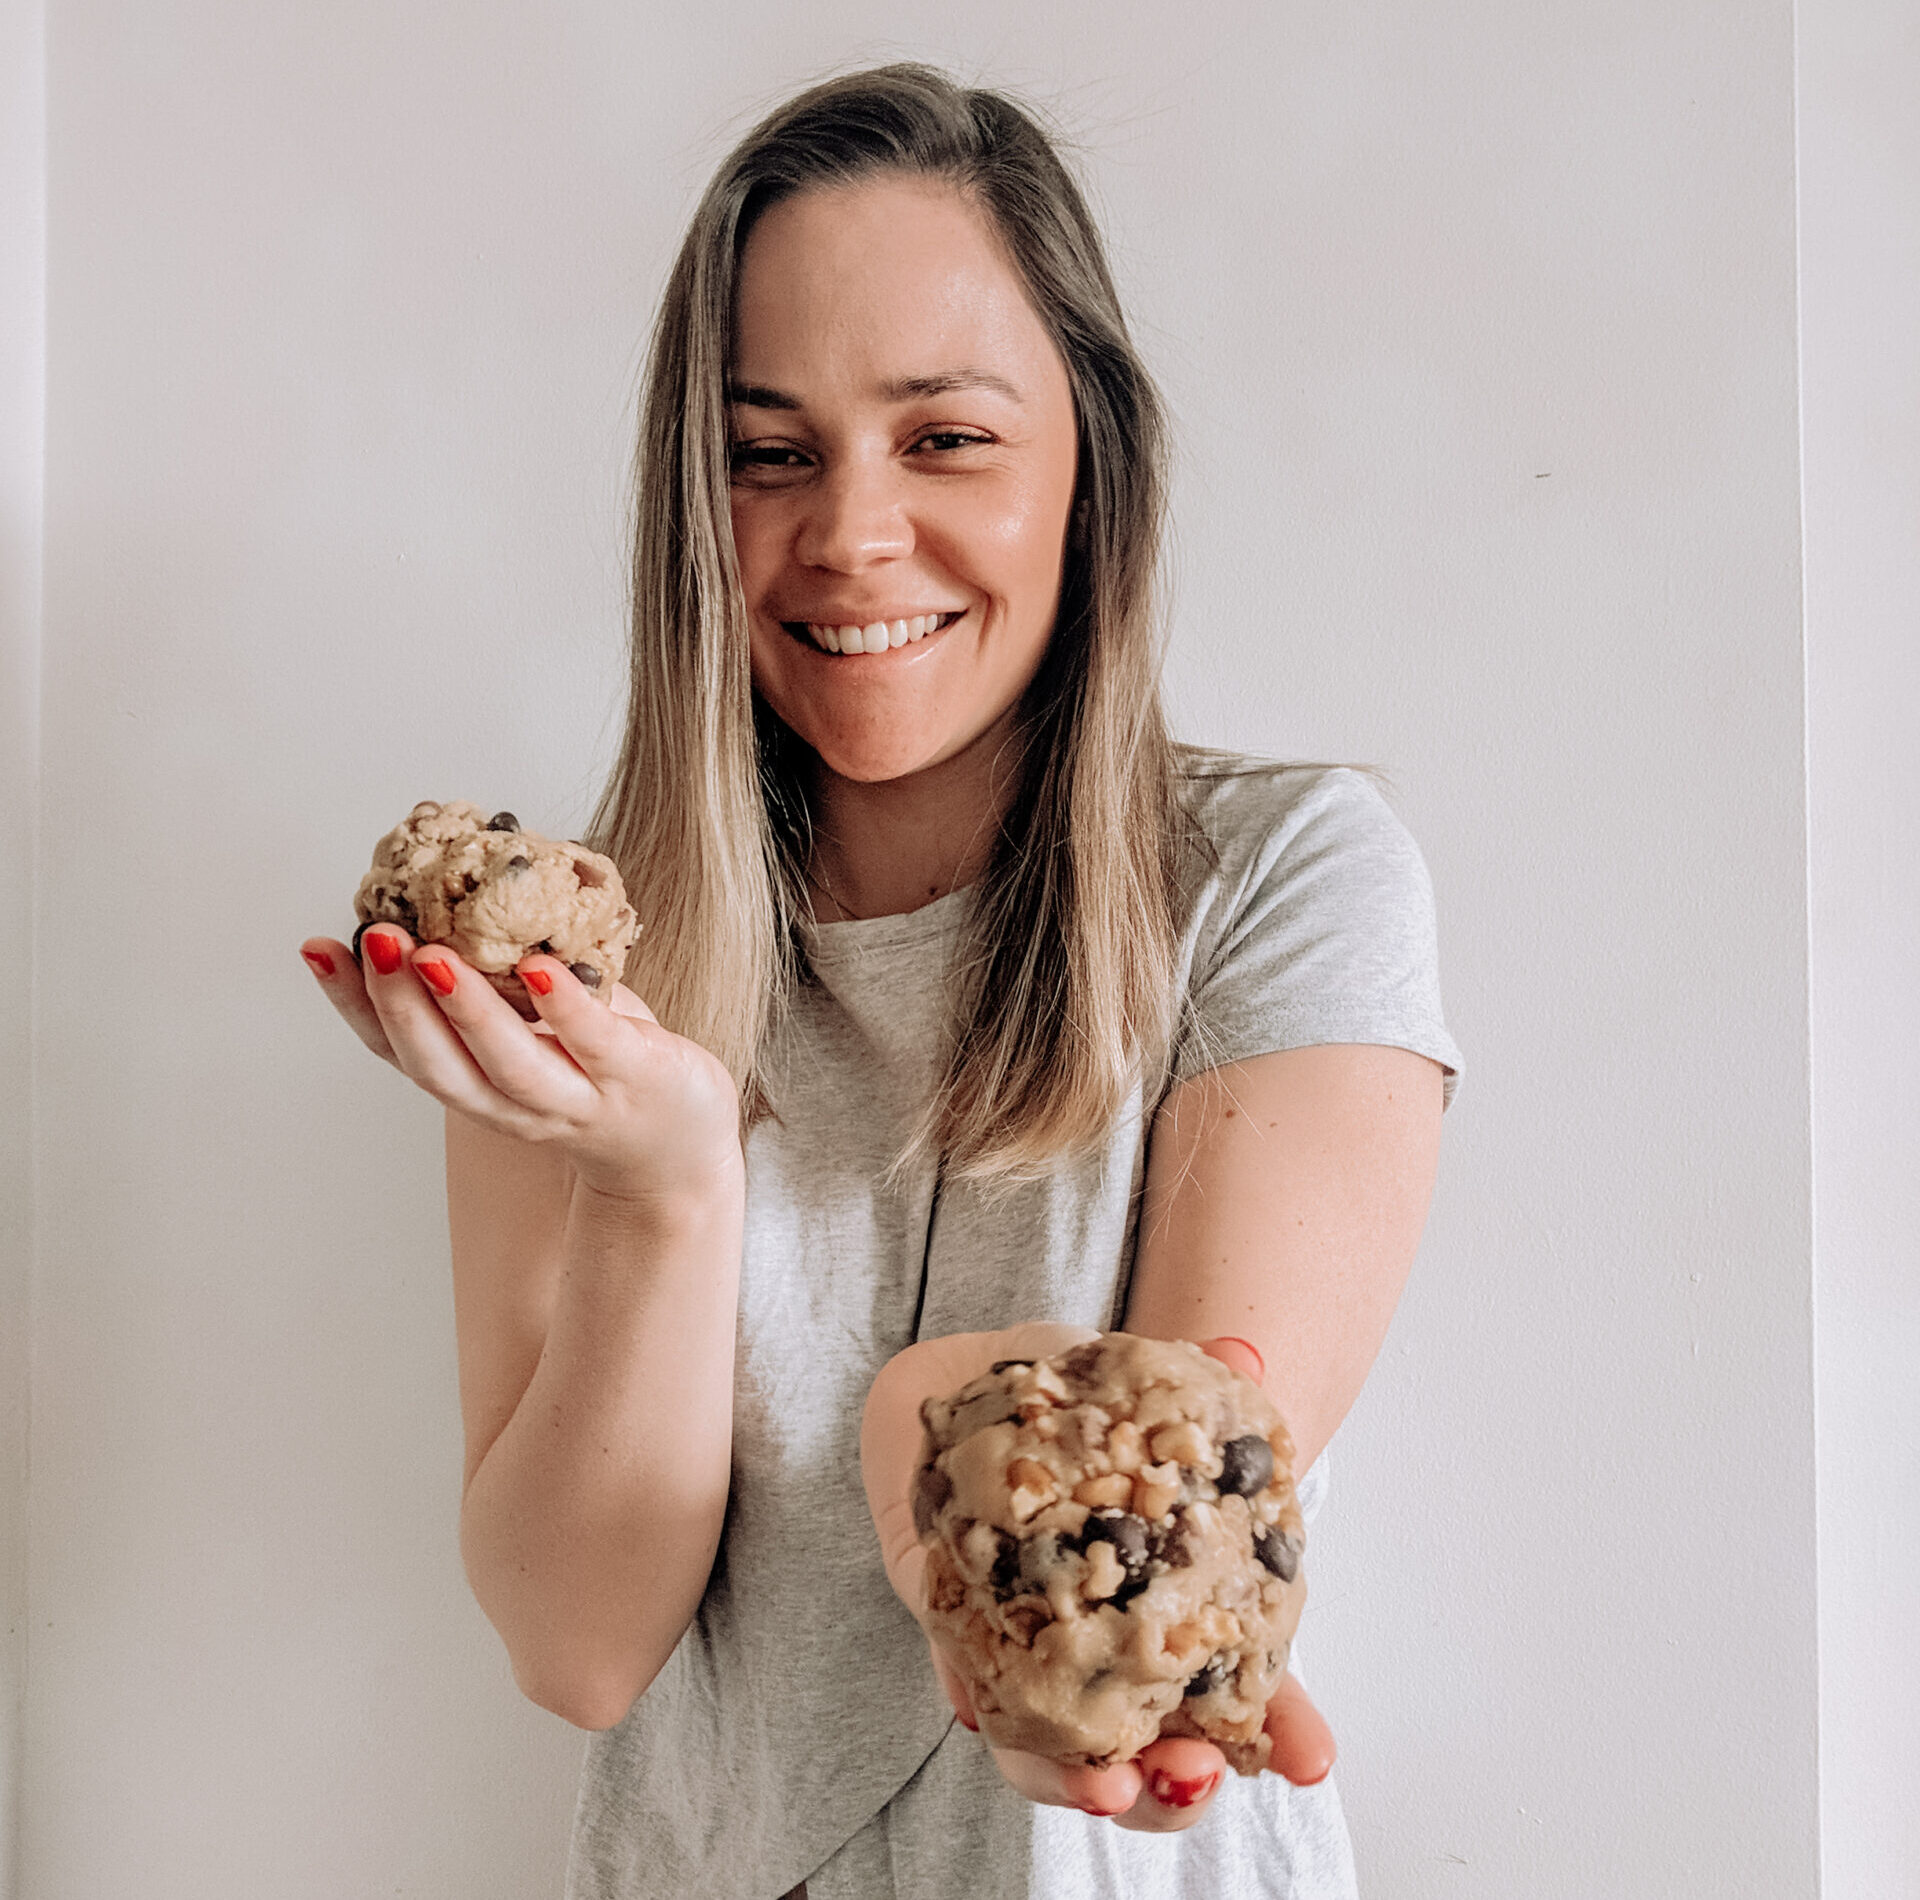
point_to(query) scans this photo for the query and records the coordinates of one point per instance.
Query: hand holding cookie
(486, 969)
(1115, 1652)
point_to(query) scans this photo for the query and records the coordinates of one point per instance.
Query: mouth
(877, 636)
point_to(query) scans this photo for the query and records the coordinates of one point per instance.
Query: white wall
(1479, 324)
(23, 187)
(1860, 303)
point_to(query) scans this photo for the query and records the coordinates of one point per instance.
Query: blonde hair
(1066, 992)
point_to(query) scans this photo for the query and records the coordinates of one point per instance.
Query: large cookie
(1113, 1546)
(494, 893)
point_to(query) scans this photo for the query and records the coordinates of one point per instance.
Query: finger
(338, 974)
(531, 1071)
(1238, 1355)
(1102, 1791)
(1303, 1745)
(955, 1684)
(587, 1029)
(624, 1002)
(1179, 1776)
(426, 1047)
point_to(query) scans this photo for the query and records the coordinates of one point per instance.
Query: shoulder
(1252, 817)
(1310, 916)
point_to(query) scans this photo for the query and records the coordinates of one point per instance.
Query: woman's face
(903, 460)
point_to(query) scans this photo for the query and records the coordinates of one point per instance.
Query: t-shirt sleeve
(1320, 927)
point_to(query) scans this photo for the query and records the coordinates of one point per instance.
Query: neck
(884, 848)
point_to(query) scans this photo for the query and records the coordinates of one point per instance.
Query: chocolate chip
(519, 862)
(1005, 1575)
(503, 821)
(931, 1489)
(361, 932)
(1125, 1532)
(1219, 1669)
(545, 946)
(403, 911)
(1246, 1466)
(1169, 1544)
(1081, 1361)
(1276, 1553)
(585, 975)
(1001, 1365)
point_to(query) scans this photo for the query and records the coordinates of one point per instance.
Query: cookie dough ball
(495, 893)
(1113, 1548)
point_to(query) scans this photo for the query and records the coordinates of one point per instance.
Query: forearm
(1285, 1205)
(590, 1524)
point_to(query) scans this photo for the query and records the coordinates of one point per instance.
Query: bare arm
(596, 1374)
(596, 1188)
(1285, 1200)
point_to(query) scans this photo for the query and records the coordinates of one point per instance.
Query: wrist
(686, 1198)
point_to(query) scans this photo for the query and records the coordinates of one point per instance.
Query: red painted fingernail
(540, 982)
(1099, 1814)
(439, 975)
(1252, 1348)
(966, 1721)
(382, 951)
(1173, 1793)
(322, 963)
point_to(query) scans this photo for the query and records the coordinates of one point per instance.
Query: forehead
(877, 281)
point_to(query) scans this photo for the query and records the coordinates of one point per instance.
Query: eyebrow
(898, 389)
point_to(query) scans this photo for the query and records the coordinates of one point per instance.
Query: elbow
(587, 1700)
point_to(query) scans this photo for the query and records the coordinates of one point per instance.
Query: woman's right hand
(639, 1112)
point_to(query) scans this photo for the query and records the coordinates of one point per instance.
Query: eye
(765, 461)
(947, 441)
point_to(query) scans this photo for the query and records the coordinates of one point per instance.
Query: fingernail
(966, 1721)
(322, 963)
(1099, 1814)
(1255, 1350)
(540, 982)
(439, 976)
(1173, 1793)
(383, 952)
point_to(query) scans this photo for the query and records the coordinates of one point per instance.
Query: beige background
(1480, 328)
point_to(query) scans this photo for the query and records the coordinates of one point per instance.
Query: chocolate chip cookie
(496, 892)
(1113, 1547)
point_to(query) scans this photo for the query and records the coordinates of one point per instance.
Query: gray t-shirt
(797, 1731)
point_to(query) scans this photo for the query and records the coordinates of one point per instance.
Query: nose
(856, 516)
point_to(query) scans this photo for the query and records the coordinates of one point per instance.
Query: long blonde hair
(1066, 993)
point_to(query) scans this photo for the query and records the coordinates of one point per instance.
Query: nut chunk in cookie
(1113, 1547)
(495, 893)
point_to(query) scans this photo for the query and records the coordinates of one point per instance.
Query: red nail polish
(383, 952)
(1173, 1793)
(966, 1721)
(322, 963)
(540, 982)
(439, 976)
(1099, 1814)
(1255, 1350)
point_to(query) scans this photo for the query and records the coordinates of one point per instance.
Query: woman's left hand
(1169, 1784)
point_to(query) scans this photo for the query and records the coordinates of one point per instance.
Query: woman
(1032, 1022)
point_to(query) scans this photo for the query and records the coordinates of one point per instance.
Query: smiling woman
(977, 1017)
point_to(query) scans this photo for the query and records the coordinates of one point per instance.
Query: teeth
(878, 638)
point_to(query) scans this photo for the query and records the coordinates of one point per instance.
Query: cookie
(1113, 1549)
(495, 893)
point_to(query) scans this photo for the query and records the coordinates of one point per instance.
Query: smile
(880, 636)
